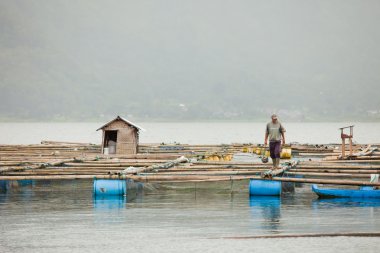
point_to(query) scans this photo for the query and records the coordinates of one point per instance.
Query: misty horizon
(191, 60)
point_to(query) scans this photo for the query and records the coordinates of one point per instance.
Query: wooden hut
(120, 136)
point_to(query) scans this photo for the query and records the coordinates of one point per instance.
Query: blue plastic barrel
(264, 187)
(110, 187)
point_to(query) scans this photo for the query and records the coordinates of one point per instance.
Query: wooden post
(103, 142)
(343, 145)
(350, 146)
(351, 136)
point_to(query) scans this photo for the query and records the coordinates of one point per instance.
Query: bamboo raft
(319, 164)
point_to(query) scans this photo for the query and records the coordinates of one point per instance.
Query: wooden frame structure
(344, 136)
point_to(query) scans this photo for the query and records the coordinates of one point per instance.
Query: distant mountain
(174, 60)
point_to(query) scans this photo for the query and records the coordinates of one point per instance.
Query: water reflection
(21, 189)
(266, 211)
(104, 202)
(108, 209)
(4, 186)
(8, 185)
(345, 202)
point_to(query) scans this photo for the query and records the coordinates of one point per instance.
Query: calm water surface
(185, 132)
(65, 217)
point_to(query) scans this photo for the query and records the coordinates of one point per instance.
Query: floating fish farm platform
(163, 163)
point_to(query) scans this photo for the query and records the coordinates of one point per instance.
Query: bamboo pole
(52, 173)
(190, 179)
(345, 166)
(60, 177)
(349, 234)
(227, 163)
(185, 173)
(227, 178)
(55, 163)
(43, 165)
(365, 160)
(337, 171)
(319, 174)
(116, 164)
(166, 165)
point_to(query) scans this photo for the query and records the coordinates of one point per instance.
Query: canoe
(362, 192)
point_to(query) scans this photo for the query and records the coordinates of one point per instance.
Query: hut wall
(127, 141)
(127, 137)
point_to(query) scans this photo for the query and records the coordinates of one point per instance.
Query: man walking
(275, 131)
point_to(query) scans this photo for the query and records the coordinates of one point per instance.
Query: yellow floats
(286, 152)
(216, 157)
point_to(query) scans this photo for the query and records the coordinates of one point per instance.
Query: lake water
(65, 217)
(190, 133)
(53, 216)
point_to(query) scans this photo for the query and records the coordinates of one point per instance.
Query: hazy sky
(298, 55)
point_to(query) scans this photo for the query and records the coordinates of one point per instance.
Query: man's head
(274, 118)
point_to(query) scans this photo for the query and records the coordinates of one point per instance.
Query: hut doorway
(110, 140)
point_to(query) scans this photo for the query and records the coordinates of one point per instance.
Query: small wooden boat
(362, 192)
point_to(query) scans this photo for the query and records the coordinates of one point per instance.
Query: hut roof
(122, 119)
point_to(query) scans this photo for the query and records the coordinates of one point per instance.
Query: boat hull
(364, 192)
